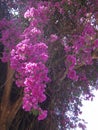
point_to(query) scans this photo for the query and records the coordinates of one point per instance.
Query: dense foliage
(51, 50)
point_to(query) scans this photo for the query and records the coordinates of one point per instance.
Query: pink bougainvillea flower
(42, 115)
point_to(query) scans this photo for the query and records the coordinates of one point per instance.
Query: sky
(90, 113)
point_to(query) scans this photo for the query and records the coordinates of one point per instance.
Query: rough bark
(8, 111)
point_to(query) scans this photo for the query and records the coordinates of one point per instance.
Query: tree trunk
(8, 111)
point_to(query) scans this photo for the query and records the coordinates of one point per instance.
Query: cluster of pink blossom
(29, 51)
(10, 37)
(70, 63)
(28, 59)
(80, 52)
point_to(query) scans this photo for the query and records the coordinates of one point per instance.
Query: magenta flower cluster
(27, 49)
(10, 37)
(80, 52)
(28, 59)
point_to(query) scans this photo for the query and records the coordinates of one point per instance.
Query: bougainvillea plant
(51, 47)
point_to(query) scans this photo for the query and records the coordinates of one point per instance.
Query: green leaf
(35, 112)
